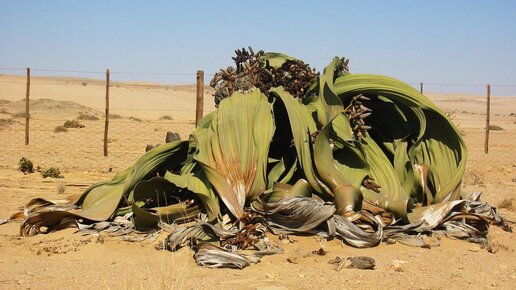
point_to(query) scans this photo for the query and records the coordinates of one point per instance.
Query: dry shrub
(495, 128)
(52, 172)
(19, 115)
(166, 117)
(115, 116)
(6, 122)
(60, 129)
(25, 165)
(72, 124)
(87, 117)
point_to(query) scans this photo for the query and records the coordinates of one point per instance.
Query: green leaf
(100, 201)
(347, 197)
(282, 190)
(436, 145)
(233, 151)
(277, 59)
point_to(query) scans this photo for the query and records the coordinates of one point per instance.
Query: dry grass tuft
(166, 117)
(60, 129)
(87, 117)
(72, 124)
(495, 128)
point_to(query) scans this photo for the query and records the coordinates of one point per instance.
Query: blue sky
(471, 42)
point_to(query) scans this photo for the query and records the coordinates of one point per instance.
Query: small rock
(474, 249)
(335, 261)
(397, 267)
(292, 260)
(390, 241)
(431, 242)
(172, 136)
(360, 262)
(286, 239)
(149, 147)
(301, 275)
(320, 252)
(491, 249)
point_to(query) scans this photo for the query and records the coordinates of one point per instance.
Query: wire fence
(487, 122)
(142, 113)
(67, 118)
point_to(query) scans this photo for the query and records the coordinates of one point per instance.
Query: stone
(172, 136)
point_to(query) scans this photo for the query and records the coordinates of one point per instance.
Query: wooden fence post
(200, 97)
(488, 113)
(27, 107)
(106, 124)
(421, 87)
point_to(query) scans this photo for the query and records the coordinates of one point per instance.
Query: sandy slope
(66, 261)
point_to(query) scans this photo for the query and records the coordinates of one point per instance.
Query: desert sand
(64, 260)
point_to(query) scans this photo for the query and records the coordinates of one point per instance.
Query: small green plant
(166, 117)
(135, 119)
(87, 117)
(52, 172)
(72, 124)
(25, 165)
(60, 129)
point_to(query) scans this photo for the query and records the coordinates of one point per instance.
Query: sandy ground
(64, 260)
